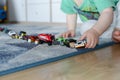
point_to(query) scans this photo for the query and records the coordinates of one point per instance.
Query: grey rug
(17, 55)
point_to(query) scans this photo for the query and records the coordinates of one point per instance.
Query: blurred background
(41, 11)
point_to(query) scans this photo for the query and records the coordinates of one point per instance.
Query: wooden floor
(102, 64)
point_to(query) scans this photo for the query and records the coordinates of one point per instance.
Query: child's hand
(92, 37)
(116, 35)
(69, 33)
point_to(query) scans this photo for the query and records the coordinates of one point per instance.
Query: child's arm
(104, 21)
(71, 20)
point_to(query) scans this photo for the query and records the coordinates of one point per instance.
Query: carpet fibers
(17, 54)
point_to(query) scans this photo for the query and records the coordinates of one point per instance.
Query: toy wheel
(61, 43)
(36, 42)
(29, 40)
(56, 42)
(41, 42)
(49, 44)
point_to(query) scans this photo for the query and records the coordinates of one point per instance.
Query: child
(98, 16)
(116, 32)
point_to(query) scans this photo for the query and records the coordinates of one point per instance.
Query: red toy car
(47, 38)
(32, 38)
(1, 29)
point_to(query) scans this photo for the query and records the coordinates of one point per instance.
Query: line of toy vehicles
(45, 38)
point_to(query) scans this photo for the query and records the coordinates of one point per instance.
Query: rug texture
(17, 54)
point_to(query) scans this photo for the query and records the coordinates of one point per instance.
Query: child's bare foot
(116, 35)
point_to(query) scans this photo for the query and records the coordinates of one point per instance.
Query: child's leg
(118, 16)
(86, 26)
(116, 32)
(89, 24)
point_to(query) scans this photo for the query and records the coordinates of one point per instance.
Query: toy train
(45, 38)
